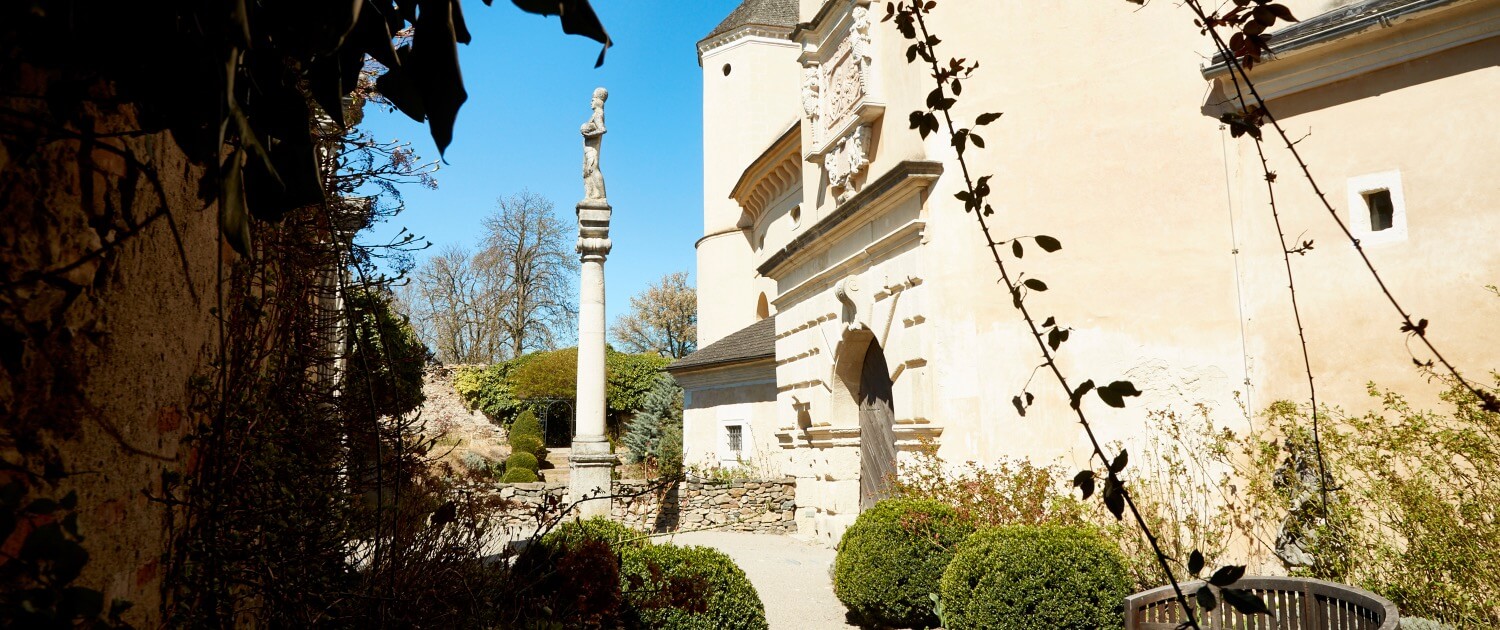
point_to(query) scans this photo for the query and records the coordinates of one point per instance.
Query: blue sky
(529, 87)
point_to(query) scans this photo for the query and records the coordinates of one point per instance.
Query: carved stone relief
(848, 159)
(837, 98)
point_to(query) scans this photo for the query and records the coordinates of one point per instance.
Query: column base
(590, 478)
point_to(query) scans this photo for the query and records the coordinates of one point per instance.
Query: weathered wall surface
(765, 506)
(104, 313)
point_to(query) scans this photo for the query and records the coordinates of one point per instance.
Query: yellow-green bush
(522, 459)
(519, 475)
(890, 561)
(1034, 578)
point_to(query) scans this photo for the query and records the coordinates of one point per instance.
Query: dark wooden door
(877, 440)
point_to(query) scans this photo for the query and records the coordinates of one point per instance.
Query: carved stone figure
(811, 88)
(859, 36)
(593, 134)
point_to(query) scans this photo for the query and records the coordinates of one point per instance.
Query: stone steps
(558, 459)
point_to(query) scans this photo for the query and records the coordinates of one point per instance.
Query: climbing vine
(910, 20)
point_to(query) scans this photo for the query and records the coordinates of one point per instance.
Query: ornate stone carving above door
(847, 160)
(840, 97)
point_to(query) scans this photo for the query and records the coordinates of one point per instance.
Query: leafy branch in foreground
(909, 20)
(1248, 21)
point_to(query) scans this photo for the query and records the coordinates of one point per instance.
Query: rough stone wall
(467, 439)
(763, 506)
(104, 313)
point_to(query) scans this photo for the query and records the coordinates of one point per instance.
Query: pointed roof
(775, 13)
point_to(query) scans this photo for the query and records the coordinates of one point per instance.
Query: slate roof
(756, 341)
(779, 13)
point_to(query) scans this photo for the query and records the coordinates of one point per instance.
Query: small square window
(735, 435)
(1377, 208)
(1382, 212)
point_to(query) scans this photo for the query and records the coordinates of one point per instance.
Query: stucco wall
(744, 113)
(99, 351)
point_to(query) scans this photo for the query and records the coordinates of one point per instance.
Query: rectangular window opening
(736, 435)
(1382, 213)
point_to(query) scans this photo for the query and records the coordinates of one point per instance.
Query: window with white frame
(1377, 208)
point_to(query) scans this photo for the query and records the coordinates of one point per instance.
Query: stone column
(591, 465)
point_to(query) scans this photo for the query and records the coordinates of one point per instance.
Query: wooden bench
(1296, 603)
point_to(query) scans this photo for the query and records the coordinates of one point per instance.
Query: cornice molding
(1363, 45)
(903, 176)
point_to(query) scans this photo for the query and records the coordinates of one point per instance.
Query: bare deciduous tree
(529, 251)
(513, 296)
(662, 319)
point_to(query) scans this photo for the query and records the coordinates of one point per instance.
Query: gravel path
(791, 576)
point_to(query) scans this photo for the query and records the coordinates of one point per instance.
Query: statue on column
(593, 134)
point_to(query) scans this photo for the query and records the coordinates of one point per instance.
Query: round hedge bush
(600, 529)
(519, 475)
(522, 459)
(528, 444)
(526, 424)
(890, 561)
(664, 586)
(1026, 577)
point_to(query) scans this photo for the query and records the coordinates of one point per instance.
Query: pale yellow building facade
(831, 230)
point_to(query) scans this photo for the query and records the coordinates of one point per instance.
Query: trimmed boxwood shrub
(528, 444)
(526, 424)
(521, 460)
(688, 588)
(890, 561)
(519, 475)
(619, 537)
(1025, 577)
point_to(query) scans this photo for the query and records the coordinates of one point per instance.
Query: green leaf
(1195, 562)
(1078, 394)
(1114, 394)
(1114, 497)
(1084, 481)
(435, 56)
(1244, 601)
(234, 216)
(1227, 575)
(1206, 599)
(1120, 462)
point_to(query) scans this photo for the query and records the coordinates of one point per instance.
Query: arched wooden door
(877, 440)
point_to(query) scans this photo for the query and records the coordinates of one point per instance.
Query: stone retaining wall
(763, 506)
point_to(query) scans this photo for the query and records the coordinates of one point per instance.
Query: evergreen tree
(660, 413)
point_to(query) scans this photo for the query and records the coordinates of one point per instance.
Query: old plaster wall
(104, 314)
(1170, 275)
(744, 112)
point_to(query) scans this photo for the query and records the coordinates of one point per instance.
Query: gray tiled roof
(781, 13)
(756, 341)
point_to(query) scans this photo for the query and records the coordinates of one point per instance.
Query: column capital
(593, 229)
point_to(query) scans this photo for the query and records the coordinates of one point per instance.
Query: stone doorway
(877, 438)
